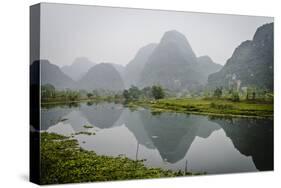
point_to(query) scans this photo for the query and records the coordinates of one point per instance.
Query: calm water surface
(168, 140)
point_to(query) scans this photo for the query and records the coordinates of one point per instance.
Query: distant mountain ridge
(52, 74)
(174, 65)
(102, 76)
(207, 66)
(135, 66)
(251, 63)
(171, 63)
(78, 68)
(121, 70)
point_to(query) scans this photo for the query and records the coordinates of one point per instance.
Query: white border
(14, 42)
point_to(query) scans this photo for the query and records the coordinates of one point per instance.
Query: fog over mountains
(78, 68)
(52, 74)
(173, 64)
(102, 76)
(206, 66)
(135, 66)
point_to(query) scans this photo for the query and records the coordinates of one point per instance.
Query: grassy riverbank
(211, 106)
(63, 161)
(215, 107)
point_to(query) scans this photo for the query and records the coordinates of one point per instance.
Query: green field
(216, 107)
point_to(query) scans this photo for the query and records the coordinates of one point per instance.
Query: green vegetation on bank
(50, 95)
(218, 107)
(63, 161)
(250, 102)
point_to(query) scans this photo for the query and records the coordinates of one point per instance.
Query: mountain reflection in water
(168, 140)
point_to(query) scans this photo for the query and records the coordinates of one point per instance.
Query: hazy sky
(116, 34)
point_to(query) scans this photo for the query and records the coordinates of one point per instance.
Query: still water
(168, 140)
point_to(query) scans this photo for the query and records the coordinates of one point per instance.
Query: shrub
(218, 92)
(158, 92)
(235, 97)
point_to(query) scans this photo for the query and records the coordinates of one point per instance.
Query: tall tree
(158, 92)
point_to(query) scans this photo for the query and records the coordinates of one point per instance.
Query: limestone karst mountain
(120, 69)
(207, 66)
(52, 74)
(135, 66)
(174, 65)
(251, 63)
(78, 68)
(102, 76)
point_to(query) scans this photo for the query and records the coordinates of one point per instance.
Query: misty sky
(116, 34)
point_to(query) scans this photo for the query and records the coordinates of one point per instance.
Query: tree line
(134, 93)
(49, 93)
(249, 94)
